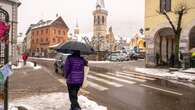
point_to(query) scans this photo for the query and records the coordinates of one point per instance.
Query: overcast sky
(125, 16)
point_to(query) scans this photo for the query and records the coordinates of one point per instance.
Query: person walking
(24, 57)
(74, 74)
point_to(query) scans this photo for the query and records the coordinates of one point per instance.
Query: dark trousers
(73, 92)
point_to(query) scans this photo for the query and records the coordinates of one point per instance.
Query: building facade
(102, 39)
(11, 7)
(45, 34)
(110, 40)
(159, 35)
(138, 41)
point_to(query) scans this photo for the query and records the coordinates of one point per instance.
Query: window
(54, 40)
(33, 41)
(59, 32)
(54, 31)
(165, 5)
(46, 39)
(46, 31)
(98, 20)
(64, 32)
(94, 19)
(41, 40)
(58, 39)
(41, 32)
(37, 33)
(103, 20)
(37, 40)
(33, 33)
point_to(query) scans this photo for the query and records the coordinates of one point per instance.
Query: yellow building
(158, 32)
(137, 41)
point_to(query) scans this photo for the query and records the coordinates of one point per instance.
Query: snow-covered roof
(41, 23)
(20, 39)
(80, 37)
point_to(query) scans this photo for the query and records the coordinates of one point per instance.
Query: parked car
(133, 55)
(123, 57)
(113, 57)
(60, 59)
(118, 56)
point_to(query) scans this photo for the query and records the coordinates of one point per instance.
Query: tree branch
(171, 23)
(180, 13)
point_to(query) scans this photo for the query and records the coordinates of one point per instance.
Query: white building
(11, 7)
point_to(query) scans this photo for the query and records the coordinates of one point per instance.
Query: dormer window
(165, 5)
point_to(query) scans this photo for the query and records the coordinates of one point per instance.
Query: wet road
(125, 90)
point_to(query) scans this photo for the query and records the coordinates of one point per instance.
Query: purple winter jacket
(74, 69)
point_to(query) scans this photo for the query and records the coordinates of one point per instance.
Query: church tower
(100, 26)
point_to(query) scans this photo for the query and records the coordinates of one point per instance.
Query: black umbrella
(68, 47)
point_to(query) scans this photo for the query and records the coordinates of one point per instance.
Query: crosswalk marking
(159, 89)
(114, 78)
(104, 81)
(127, 77)
(137, 76)
(104, 78)
(97, 86)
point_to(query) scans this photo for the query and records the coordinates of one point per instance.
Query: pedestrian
(24, 57)
(74, 74)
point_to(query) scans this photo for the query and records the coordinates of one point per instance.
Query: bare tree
(179, 12)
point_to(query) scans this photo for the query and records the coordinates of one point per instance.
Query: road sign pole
(7, 80)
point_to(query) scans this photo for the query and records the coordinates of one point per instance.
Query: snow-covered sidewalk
(180, 75)
(53, 101)
(28, 64)
(99, 62)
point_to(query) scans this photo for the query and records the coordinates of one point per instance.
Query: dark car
(133, 55)
(60, 59)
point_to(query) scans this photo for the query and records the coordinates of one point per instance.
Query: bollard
(35, 64)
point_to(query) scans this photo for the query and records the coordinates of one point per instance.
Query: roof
(43, 23)
(100, 3)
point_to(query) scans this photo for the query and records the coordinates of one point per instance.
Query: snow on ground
(53, 101)
(191, 70)
(100, 62)
(176, 75)
(47, 59)
(28, 64)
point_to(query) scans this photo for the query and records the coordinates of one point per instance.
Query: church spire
(100, 3)
(77, 30)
